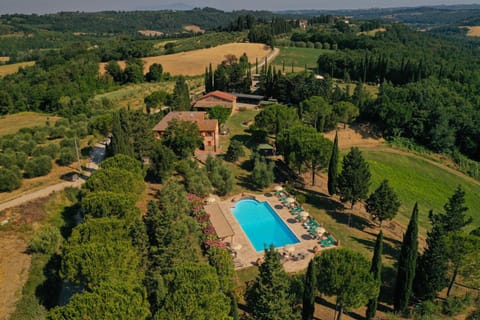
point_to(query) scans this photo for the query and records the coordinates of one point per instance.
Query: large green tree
(269, 298)
(376, 271)
(194, 293)
(163, 161)
(383, 203)
(406, 264)
(333, 168)
(316, 111)
(309, 292)
(276, 117)
(346, 274)
(182, 137)
(303, 145)
(354, 179)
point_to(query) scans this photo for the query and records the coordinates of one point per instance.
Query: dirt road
(98, 153)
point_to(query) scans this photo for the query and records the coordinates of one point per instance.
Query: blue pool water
(262, 225)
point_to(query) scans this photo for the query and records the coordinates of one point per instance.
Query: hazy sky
(45, 6)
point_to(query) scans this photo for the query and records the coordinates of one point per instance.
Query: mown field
(415, 179)
(7, 69)
(193, 63)
(473, 31)
(299, 57)
(12, 123)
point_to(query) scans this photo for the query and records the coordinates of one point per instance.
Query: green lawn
(299, 57)
(415, 179)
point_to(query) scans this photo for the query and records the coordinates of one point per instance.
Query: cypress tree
(354, 180)
(206, 81)
(406, 264)
(210, 78)
(121, 135)
(376, 271)
(234, 309)
(256, 65)
(432, 269)
(309, 292)
(333, 168)
(181, 95)
(269, 298)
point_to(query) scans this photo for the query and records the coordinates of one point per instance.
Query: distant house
(215, 98)
(208, 127)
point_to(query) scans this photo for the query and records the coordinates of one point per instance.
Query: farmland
(12, 123)
(193, 63)
(474, 31)
(7, 69)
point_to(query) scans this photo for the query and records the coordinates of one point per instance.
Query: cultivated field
(473, 31)
(4, 59)
(193, 63)
(7, 69)
(193, 28)
(299, 57)
(12, 123)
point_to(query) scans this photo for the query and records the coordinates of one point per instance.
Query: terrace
(295, 257)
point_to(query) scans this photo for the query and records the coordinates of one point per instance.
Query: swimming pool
(262, 225)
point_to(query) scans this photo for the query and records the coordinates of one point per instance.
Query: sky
(48, 6)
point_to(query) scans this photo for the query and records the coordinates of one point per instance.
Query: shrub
(26, 146)
(46, 240)
(425, 310)
(20, 159)
(67, 143)
(67, 156)
(9, 180)
(300, 44)
(475, 315)
(7, 160)
(326, 45)
(62, 123)
(37, 167)
(41, 136)
(455, 305)
(310, 44)
(235, 150)
(318, 45)
(58, 132)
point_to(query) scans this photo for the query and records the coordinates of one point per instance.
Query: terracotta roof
(198, 117)
(219, 222)
(220, 95)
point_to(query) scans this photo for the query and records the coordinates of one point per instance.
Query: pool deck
(247, 256)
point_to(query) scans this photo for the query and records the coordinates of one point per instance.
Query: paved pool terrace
(247, 256)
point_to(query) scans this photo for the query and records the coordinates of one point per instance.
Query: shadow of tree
(332, 306)
(48, 292)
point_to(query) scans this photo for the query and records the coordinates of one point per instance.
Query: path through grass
(12, 123)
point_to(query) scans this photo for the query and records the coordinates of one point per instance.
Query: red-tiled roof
(198, 117)
(220, 95)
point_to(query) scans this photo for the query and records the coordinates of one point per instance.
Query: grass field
(473, 31)
(193, 63)
(373, 32)
(12, 123)
(415, 179)
(299, 57)
(7, 69)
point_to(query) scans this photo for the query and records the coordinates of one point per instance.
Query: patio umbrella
(289, 248)
(237, 246)
(290, 200)
(210, 200)
(278, 188)
(320, 231)
(304, 214)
